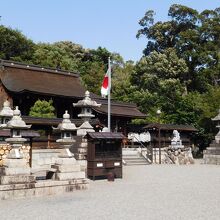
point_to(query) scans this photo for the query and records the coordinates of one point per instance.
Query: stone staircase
(131, 157)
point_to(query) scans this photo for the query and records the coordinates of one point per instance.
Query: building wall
(4, 96)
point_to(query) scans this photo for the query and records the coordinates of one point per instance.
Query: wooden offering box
(104, 154)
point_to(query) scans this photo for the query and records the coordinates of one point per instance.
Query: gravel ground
(145, 192)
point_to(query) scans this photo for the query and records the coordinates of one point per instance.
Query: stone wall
(5, 149)
(179, 156)
(41, 158)
(44, 158)
(168, 156)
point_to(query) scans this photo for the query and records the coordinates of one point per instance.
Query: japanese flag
(105, 84)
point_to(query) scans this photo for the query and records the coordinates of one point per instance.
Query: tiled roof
(21, 78)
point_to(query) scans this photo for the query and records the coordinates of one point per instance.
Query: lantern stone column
(66, 165)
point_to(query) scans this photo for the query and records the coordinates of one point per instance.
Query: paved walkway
(146, 192)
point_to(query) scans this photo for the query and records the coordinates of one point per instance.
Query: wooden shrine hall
(161, 134)
(22, 85)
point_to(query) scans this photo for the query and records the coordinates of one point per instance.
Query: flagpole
(109, 96)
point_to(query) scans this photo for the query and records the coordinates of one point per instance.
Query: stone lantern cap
(217, 118)
(66, 124)
(6, 110)
(16, 121)
(86, 125)
(86, 102)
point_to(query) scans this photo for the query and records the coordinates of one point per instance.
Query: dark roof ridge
(171, 126)
(19, 65)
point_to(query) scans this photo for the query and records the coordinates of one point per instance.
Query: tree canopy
(14, 45)
(179, 71)
(195, 37)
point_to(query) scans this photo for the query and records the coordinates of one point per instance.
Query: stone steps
(132, 157)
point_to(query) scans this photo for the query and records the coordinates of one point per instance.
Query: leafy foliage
(14, 45)
(195, 37)
(180, 69)
(43, 108)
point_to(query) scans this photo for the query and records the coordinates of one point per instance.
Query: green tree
(43, 108)
(91, 64)
(15, 46)
(195, 37)
(121, 81)
(55, 56)
(159, 82)
(93, 75)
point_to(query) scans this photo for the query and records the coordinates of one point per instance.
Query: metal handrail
(148, 151)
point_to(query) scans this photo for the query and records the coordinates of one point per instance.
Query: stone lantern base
(212, 154)
(15, 171)
(68, 169)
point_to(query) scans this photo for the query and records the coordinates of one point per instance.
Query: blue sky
(107, 23)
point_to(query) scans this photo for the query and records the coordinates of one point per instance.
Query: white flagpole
(109, 95)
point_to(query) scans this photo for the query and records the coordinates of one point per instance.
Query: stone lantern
(66, 166)
(67, 129)
(217, 119)
(6, 114)
(86, 113)
(16, 169)
(16, 124)
(86, 105)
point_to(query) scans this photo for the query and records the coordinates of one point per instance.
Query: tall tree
(195, 38)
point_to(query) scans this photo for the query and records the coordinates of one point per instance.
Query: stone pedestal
(81, 154)
(68, 169)
(81, 149)
(15, 172)
(212, 154)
